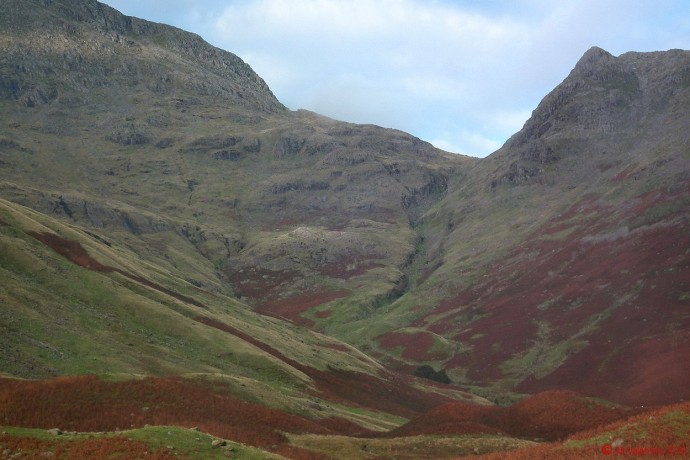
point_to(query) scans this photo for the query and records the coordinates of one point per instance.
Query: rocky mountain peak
(593, 58)
(111, 49)
(604, 98)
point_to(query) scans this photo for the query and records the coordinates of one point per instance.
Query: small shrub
(427, 372)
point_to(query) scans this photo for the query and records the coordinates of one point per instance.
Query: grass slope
(159, 442)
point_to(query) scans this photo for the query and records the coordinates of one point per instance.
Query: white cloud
(467, 143)
(398, 63)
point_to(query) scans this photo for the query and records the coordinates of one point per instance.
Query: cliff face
(64, 46)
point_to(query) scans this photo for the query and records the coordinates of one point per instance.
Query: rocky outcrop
(107, 50)
(418, 200)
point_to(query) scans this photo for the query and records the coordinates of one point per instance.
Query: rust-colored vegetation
(551, 415)
(662, 432)
(662, 426)
(88, 404)
(415, 345)
(258, 283)
(75, 253)
(611, 275)
(71, 250)
(554, 415)
(573, 425)
(291, 307)
(452, 418)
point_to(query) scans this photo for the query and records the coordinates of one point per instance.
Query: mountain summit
(604, 100)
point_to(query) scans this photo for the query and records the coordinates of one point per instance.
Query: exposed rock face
(216, 443)
(604, 99)
(56, 39)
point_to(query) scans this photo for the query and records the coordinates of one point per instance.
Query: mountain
(561, 260)
(161, 137)
(163, 214)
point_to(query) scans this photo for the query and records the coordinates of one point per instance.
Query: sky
(463, 75)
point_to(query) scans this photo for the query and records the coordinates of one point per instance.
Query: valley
(183, 260)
